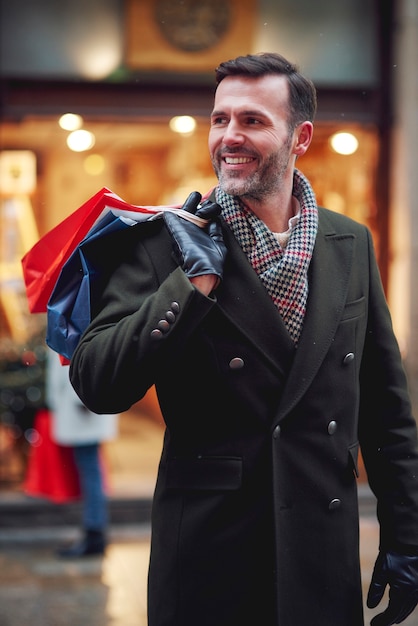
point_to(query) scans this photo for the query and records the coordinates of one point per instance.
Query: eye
(251, 121)
(219, 120)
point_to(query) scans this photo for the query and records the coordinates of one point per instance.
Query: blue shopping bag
(69, 306)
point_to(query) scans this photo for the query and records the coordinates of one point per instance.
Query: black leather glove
(198, 251)
(400, 572)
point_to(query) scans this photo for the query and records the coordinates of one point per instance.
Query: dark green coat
(255, 516)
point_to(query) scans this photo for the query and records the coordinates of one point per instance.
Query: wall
(403, 286)
(334, 42)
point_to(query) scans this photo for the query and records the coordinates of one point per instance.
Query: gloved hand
(199, 251)
(400, 572)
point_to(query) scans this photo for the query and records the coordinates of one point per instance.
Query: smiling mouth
(237, 160)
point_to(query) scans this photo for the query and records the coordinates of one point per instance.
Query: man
(269, 340)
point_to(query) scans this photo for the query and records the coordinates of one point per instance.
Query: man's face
(250, 143)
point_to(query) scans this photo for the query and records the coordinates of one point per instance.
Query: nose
(233, 134)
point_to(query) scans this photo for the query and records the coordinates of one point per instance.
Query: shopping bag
(51, 471)
(69, 306)
(42, 264)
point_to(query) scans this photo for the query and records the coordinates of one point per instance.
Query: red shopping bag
(51, 471)
(42, 264)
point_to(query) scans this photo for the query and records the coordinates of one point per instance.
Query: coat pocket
(354, 309)
(353, 451)
(205, 473)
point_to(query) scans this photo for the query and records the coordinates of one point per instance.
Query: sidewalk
(38, 588)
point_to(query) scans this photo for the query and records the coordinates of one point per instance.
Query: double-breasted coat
(255, 514)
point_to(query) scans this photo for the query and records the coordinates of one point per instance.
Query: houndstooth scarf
(283, 272)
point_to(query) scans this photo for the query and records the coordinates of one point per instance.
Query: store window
(144, 162)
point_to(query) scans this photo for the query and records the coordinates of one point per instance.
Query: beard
(266, 181)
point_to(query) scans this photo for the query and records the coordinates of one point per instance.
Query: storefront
(126, 81)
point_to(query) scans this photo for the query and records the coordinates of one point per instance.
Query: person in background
(269, 339)
(74, 425)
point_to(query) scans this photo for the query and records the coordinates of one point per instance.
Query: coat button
(156, 334)
(276, 432)
(348, 358)
(163, 325)
(334, 504)
(332, 427)
(236, 363)
(175, 307)
(170, 317)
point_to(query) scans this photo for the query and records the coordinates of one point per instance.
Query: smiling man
(269, 340)
(253, 143)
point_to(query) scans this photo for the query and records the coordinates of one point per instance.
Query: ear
(303, 137)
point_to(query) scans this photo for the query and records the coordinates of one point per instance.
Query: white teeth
(237, 160)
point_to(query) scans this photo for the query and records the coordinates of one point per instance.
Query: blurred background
(117, 94)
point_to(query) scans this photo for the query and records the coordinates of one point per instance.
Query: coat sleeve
(144, 309)
(387, 428)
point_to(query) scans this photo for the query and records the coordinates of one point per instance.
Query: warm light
(80, 140)
(344, 143)
(70, 121)
(94, 164)
(98, 51)
(183, 124)
(97, 60)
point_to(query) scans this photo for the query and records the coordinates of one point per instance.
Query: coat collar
(245, 301)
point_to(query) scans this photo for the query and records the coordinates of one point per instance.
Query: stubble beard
(264, 182)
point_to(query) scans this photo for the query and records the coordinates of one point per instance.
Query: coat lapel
(329, 276)
(245, 301)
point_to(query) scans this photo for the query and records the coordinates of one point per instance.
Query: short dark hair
(302, 98)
